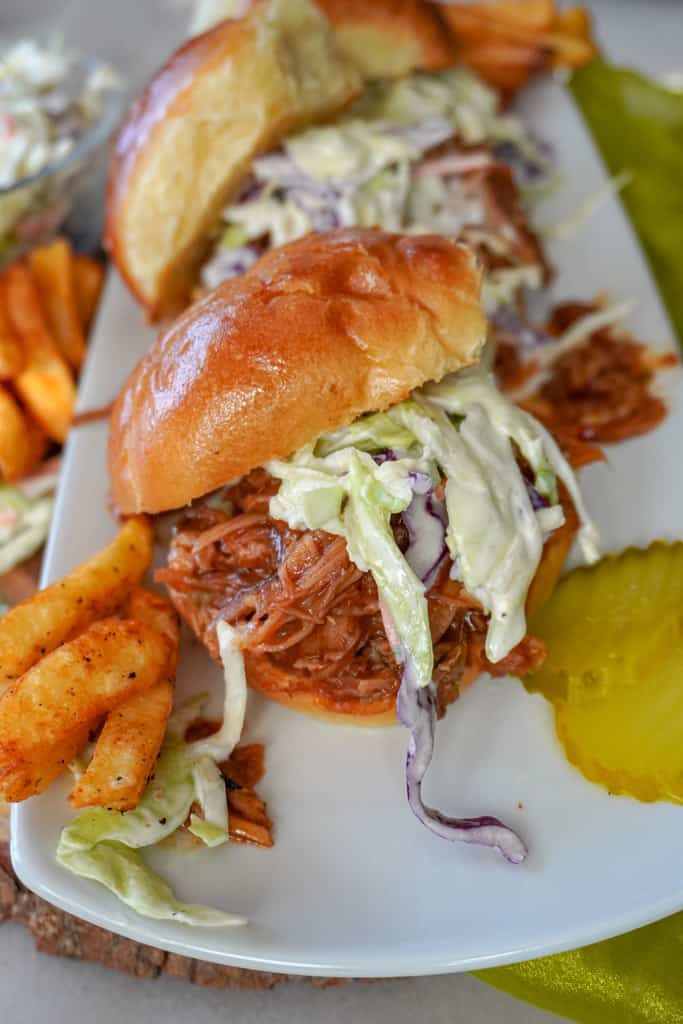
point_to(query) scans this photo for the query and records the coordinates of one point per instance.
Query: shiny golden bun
(390, 38)
(317, 333)
(188, 142)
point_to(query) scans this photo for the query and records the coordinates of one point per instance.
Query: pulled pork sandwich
(246, 139)
(364, 513)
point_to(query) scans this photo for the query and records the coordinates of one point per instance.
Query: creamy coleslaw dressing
(464, 432)
(463, 429)
(360, 171)
(476, 386)
(493, 530)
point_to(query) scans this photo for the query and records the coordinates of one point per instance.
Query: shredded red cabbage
(526, 169)
(251, 189)
(524, 334)
(229, 262)
(425, 520)
(537, 499)
(416, 710)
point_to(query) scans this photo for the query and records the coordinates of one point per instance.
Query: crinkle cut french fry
(471, 21)
(45, 385)
(52, 267)
(95, 589)
(129, 743)
(89, 277)
(155, 610)
(500, 39)
(22, 443)
(506, 66)
(126, 751)
(18, 782)
(81, 681)
(12, 355)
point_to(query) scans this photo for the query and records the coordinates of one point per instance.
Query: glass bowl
(67, 194)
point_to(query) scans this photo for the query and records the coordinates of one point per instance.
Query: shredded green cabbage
(465, 430)
(209, 788)
(371, 543)
(123, 871)
(24, 525)
(360, 171)
(103, 845)
(220, 745)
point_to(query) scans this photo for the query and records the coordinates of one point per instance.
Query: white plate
(354, 885)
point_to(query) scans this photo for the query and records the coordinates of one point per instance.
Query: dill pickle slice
(609, 624)
(614, 671)
(631, 741)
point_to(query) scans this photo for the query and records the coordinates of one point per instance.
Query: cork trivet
(60, 934)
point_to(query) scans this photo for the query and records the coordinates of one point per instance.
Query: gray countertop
(137, 35)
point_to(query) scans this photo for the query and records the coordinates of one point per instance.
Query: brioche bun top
(188, 142)
(317, 333)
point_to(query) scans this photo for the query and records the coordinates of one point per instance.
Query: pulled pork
(600, 391)
(309, 619)
(507, 220)
(505, 238)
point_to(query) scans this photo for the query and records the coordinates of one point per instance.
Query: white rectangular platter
(354, 885)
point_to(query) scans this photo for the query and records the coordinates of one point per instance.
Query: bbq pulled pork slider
(189, 140)
(247, 139)
(365, 514)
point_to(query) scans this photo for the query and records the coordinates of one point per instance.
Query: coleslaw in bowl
(57, 112)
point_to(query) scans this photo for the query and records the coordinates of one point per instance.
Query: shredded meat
(507, 218)
(599, 391)
(248, 820)
(491, 183)
(309, 619)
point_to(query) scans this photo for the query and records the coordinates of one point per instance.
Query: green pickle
(614, 670)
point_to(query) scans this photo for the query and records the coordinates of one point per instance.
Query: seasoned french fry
(18, 782)
(73, 686)
(45, 385)
(570, 42)
(126, 751)
(525, 14)
(22, 444)
(96, 588)
(508, 40)
(146, 606)
(12, 355)
(52, 267)
(575, 21)
(89, 277)
(505, 65)
(129, 743)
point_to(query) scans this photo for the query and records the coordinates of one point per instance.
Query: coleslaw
(493, 524)
(25, 515)
(383, 164)
(49, 101)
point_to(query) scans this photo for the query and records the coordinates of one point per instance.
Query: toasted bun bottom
(266, 679)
